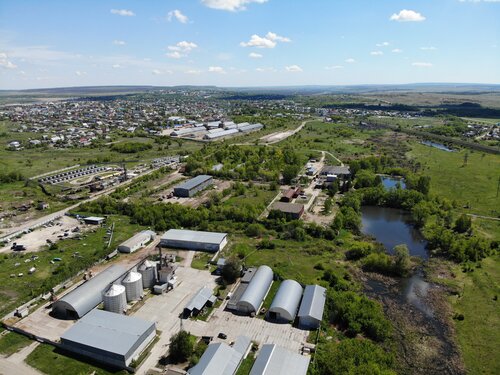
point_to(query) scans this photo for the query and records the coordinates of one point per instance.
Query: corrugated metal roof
(221, 359)
(138, 238)
(193, 236)
(274, 360)
(194, 182)
(313, 302)
(258, 287)
(88, 295)
(199, 299)
(287, 299)
(107, 331)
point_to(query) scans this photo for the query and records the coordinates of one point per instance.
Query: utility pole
(498, 186)
(466, 158)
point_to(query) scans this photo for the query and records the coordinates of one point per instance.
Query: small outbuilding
(202, 298)
(286, 302)
(312, 307)
(194, 240)
(109, 338)
(93, 220)
(275, 360)
(137, 241)
(291, 210)
(257, 289)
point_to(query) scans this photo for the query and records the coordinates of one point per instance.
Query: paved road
(15, 365)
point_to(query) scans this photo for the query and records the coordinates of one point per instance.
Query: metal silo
(148, 273)
(115, 299)
(133, 286)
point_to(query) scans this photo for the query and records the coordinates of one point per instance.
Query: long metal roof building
(199, 300)
(274, 360)
(286, 302)
(312, 307)
(221, 359)
(194, 240)
(84, 298)
(110, 338)
(137, 241)
(253, 296)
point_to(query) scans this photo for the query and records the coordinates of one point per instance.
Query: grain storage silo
(148, 273)
(115, 299)
(133, 286)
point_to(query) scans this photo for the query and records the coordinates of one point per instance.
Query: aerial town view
(249, 187)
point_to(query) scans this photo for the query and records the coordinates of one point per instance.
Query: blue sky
(247, 42)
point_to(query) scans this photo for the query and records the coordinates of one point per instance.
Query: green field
(15, 290)
(50, 361)
(478, 334)
(474, 184)
(12, 342)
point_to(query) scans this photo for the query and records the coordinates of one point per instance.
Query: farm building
(222, 359)
(244, 282)
(202, 298)
(193, 240)
(286, 302)
(94, 220)
(292, 210)
(312, 306)
(109, 338)
(137, 241)
(274, 360)
(290, 194)
(191, 187)
(340, 171)
(84, 298)
(257, 289)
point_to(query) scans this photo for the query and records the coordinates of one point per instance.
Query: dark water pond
(392, 182)
(392, 227)
(437, 145)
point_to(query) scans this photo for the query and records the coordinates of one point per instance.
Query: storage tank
(148, 273)
(133, 286)
(115, 299)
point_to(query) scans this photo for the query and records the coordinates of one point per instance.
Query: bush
(131, 147)
(181, 347)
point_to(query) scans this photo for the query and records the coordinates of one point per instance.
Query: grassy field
(50, 361)
(478, 334)
(12, 342)
(75, 255)
(474, 184)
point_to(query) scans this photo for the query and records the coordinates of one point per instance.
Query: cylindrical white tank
(115, 299)
(148, 273)
(133, 286)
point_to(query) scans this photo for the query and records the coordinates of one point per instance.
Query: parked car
(222, 336)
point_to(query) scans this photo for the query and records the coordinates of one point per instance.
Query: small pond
(437, 145)
(391, 182)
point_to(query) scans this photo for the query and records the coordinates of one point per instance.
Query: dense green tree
(463, 224)
(231, 270)
(181, 346)
(401, 259)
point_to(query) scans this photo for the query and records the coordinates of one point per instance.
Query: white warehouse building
(312, 307)
(194, 240)
(286, 302)
(257, 289)
(137, 241)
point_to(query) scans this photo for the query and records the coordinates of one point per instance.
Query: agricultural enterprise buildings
(257, 289)
(136, 242)
(312, 307)
(274, 360)
(109, 338)
(194, 240)
(191, 187)
(286, 302)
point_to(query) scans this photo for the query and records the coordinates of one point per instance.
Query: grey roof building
(274, 360)
(194, 240)
(84, 298)
(286, 302)
(192, 186)
(256, 291)
(199, 300)
(336, 170)
(109, 338)
(312, 307)
(137, 241)
(221, 359)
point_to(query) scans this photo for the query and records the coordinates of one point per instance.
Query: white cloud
(383, 44)
(80, 73)
(116, 66)
(263, 70)
(376, 53)
(216, 69)
(230, 5)
(119, 42)
(123, 12)
(181, 49)
(407, 16)
(350, 60)
(270, 40)
(177, 14)
(397, 50)
(158, 72)
(254, 55)
(293, 68)
(5, 62)
(430, 48)
(334, 67)
(422, 64)
(193, 71)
